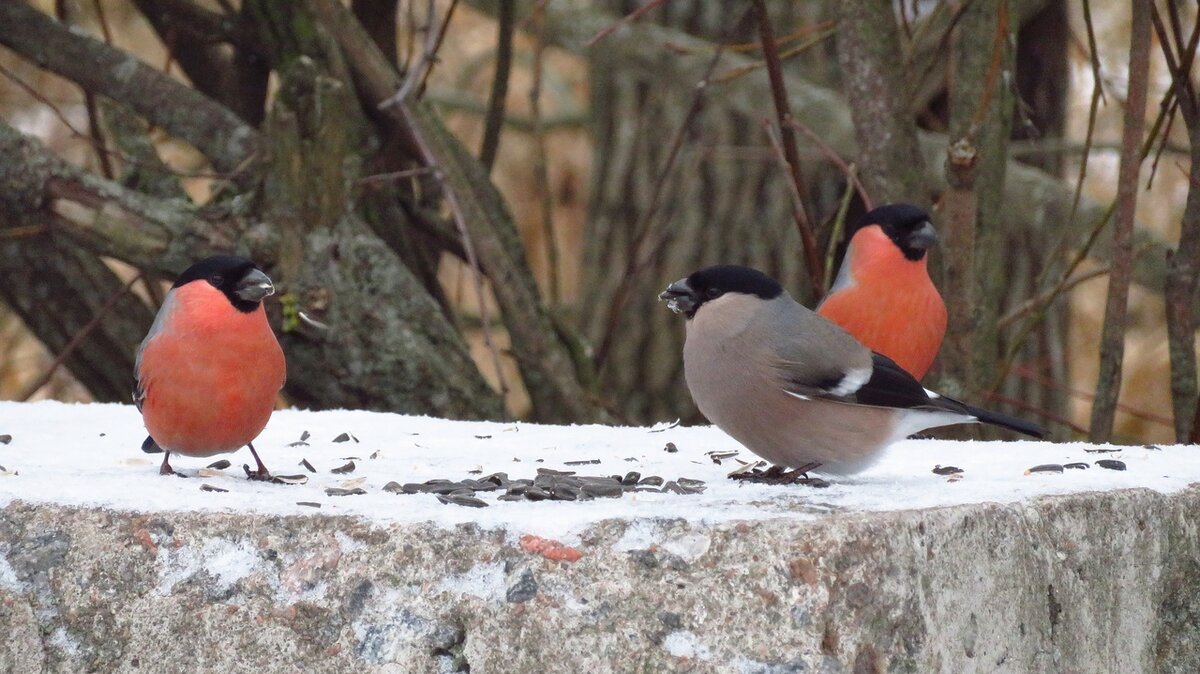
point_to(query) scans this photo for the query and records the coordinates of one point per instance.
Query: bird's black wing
(886, 384)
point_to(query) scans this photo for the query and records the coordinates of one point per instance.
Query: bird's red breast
(888, 302)
(210, 373)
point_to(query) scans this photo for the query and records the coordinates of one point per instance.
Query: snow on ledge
(88, 455)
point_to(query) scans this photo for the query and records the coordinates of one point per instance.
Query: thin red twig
(632, 16)
(791, 153)
(836, 159)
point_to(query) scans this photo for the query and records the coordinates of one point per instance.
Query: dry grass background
(460, 84)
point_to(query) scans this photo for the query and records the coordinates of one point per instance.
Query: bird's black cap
(237, 277)
(906, 225)
(687, 295)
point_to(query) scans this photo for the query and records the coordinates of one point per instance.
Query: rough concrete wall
(1085, 583)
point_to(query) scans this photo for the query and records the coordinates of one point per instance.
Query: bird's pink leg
(262, 473)
(165, 468)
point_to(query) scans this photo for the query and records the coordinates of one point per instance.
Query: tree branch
(1036, 201)
(101, 69)
(1112, 338)
(101, 216)
(236, 77)
(868, 50)
(546, 366)
(34, 268)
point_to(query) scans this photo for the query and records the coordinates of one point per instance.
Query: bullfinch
(210, 368)
(883, 295)
(794, 388)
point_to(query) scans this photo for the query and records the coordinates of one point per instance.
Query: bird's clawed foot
(166, 469)
(261, 474)
(781, 475)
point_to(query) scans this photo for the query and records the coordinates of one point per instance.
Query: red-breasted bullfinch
(210, 368)
(794, 388)
(883, 295)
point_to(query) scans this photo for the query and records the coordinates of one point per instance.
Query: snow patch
(64, 642)
(89, 456)
(689, 547)
(226, 561)
(485, 581)
(8, 577)
(685, 644)
(347, 544)
(639, 535)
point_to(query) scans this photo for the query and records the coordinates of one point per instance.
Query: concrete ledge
(1093, 582)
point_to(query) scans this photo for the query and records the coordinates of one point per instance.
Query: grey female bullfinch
(794, 388)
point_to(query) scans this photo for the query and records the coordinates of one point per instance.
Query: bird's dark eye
(216, 280)
(712, 293)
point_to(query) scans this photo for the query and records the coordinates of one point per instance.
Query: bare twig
(102, 69)
(836, 159)
(63, 10)
(1112, 339)
(541, 168)
(791, 152)
(1183, 263)
(632, 16)
(739, 71)
(1041, 301)
(35, 385)
(494, 119)
(634, 263)
(839, 223)
(437, 45)
(393, 176)
(1031, 373)
(414, 79)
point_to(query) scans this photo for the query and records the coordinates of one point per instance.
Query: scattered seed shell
(670, 448)
(209, 487)
(1111, 464)
(1077, 466)
(344, 437)
(946, 470)
(1045, 468)
(582, 462)
(375, 454)
(483, 437)
(208, 472)
(1102, 450)
(4, 472)
(462, 500)
(7, 438)
(289, 479)
(668, 427)
(298, 443)
(335, 491)
(310, 504)
(342, 470)
(307, 466)
(219, 465)
(393, 487)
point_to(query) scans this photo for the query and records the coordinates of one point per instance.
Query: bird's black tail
(149, 446)
(1004, 421)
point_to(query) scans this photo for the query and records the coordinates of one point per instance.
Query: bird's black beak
(679, 297)
(254, 286)
(924, 237)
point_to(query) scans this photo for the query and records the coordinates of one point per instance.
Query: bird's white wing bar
(851, 382)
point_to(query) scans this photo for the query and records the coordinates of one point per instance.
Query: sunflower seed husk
(336, 491)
